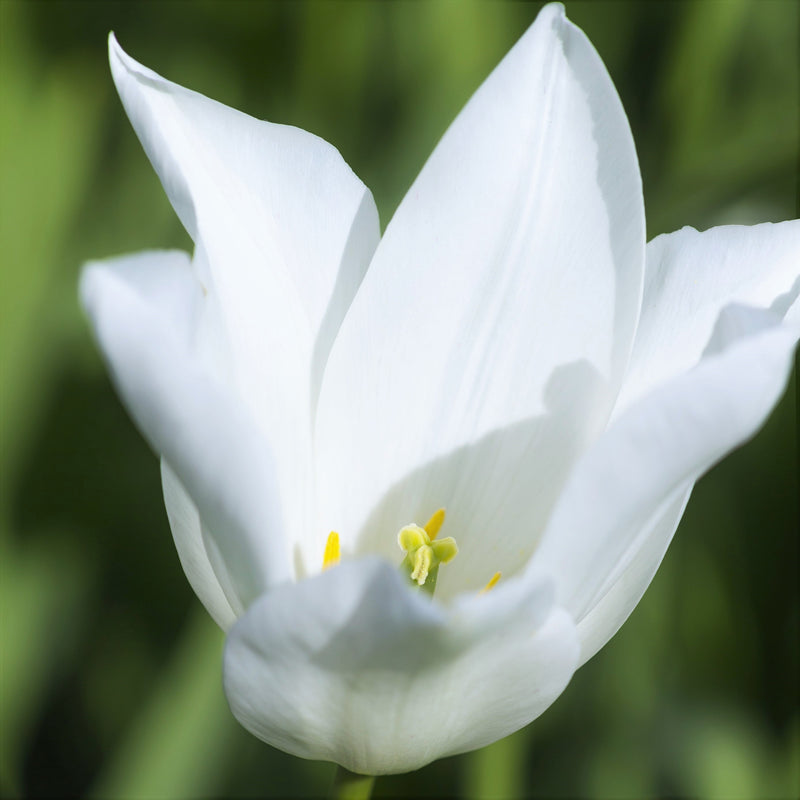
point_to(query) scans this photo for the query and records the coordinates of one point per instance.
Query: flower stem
(350, 786)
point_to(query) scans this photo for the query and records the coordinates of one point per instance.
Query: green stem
(350, 786)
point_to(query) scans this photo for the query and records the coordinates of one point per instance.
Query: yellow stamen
(496, 577)
(434, 524)
(332, 552)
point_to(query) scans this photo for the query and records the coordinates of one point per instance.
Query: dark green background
(110, 671)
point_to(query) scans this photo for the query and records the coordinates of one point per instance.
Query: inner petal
(505, 291)
(498, 493)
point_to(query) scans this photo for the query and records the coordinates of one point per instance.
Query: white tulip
(509, 349)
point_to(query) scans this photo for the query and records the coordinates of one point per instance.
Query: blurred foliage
(109, 679)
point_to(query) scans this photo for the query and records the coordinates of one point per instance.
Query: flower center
(424, 553)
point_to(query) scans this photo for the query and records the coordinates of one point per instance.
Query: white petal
(505, 290)
(205, 434)
(166, 280)
(625, 586)
(498, 491)
(286, 232)
(793, 314)
(690, 277)
(353, 667)
(187, 533)
(626, 493)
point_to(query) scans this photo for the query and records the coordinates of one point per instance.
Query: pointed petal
(516, 257)
(690, 277)
(629, 487)
(352, 666)
(205, 434)
(184, 521)
(286, 231)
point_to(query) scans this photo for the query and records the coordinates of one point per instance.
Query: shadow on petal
(401, 639)
(499, 491)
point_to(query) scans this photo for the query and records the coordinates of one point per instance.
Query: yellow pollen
(489, 586)
(332, 552)
(434, 524)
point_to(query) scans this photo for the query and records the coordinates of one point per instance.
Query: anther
(332, 552)
(489, 586)
(434, 524)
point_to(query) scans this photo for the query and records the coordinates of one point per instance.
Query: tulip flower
(509, 350)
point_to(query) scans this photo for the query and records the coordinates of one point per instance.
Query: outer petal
(690, 277)
(187, 531)
(624, 587)
(351, 666)
(793, 314)
(625, 497)
(165, 279)
(204, 433)
(506, 287)
(286, 231)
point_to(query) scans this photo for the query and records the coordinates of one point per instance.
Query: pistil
(425, 553)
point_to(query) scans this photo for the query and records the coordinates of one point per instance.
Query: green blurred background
(110, 671)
